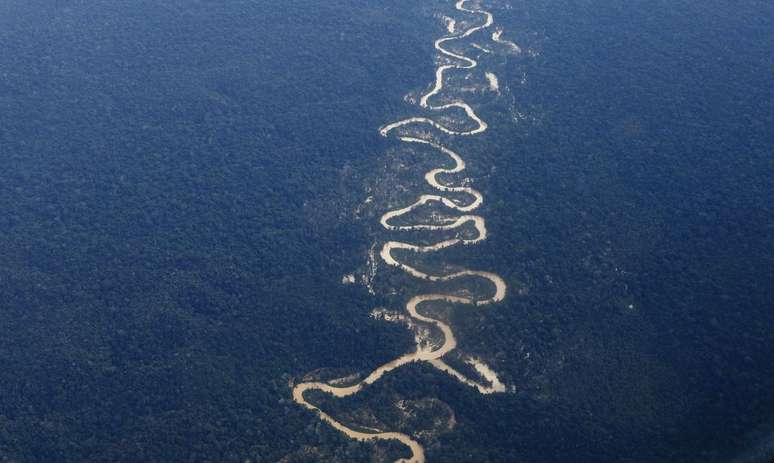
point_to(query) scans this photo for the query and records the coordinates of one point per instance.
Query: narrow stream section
(391, 250)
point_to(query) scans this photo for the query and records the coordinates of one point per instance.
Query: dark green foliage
(176, 196)
(171, 243)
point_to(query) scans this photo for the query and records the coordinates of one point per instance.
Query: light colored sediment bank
(497, 37)
(494, 83)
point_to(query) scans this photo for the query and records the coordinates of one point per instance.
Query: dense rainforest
(184, 185)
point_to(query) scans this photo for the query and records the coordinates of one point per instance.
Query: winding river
(432, 355)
